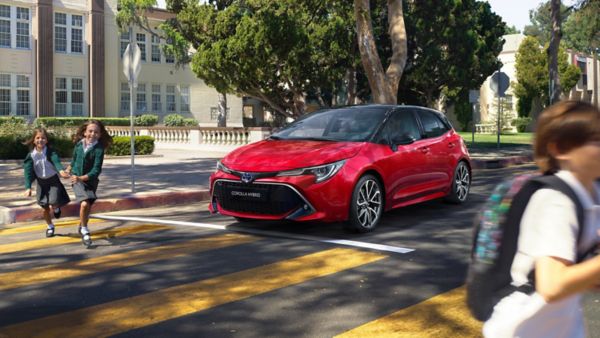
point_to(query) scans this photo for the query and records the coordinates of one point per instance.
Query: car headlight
(223, 168)
(321, 173)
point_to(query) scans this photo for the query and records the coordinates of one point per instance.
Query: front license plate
(248, 194)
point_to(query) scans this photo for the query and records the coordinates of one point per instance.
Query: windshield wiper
(273, 137)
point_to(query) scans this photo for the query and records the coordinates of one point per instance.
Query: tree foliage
(582, 28)
(533, 76)
(453, 46)
(541, 21)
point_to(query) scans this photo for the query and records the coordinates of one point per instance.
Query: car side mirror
(403, 140)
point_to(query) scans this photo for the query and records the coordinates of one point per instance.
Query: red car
(345, 164)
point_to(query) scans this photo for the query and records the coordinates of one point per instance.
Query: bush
(146, 120)
(176, 120)
(12, 120)
(521, 123)
(144, 145)
(77, 121)
(12, 136)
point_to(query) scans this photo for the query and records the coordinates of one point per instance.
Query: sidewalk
(167, 177)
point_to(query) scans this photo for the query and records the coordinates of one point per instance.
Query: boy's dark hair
(568, 125)
(105, 139)
(29, 141)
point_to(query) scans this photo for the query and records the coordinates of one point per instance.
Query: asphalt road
(181, 272)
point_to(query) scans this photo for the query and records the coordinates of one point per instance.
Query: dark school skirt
(51, 191)
(86, 191)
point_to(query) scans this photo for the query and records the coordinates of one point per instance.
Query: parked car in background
(345, 164)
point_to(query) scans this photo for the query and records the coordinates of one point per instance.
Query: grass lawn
(490, 140)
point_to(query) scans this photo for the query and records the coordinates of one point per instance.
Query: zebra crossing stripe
(75, 238)
(52, 273)
(135, 312)
(444, 315)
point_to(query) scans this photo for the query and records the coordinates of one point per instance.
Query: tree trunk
(222, 119)
(351, 86)
(556, 34)
(299, 104)
(384, 86)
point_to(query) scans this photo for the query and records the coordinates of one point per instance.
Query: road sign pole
(131, 81)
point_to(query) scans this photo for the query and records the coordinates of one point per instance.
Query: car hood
(277, 155)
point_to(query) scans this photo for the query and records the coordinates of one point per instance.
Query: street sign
(132, 65)
(499, 83)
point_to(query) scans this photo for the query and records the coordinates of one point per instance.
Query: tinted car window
(432, 124)
(343, 124)
(401, 125)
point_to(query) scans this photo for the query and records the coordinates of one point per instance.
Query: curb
(495, 163)
(135, 201)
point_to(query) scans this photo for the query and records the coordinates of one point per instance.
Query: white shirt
(548, 228)
(41, 166)
(87, 147)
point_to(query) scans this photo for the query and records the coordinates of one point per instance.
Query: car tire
(461, 184)
(366, 205)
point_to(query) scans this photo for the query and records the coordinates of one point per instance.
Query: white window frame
(184, 98)
(13, 22)
(70, 28)
(69, 91)
(124, 41)
(141, 103)
(155, 51)
(140, 38)
(6, 86)
(156, 98)
(125, 98)
(169, 95)
(14, 87)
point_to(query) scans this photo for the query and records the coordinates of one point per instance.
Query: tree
(541, 21)
(582, 28)
(511, 30)
(384, 86)
(555, 37)
(453, 47)
(533, 75)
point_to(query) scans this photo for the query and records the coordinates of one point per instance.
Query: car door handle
(451, 145)
(424, 150)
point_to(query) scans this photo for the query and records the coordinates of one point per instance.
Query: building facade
(64, 58)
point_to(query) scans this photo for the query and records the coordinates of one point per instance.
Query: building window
(68, 96)
(214, 113)
(140, 99)
(124, 42)
(68, 33)
(171, 107)
(77, 34)
(125, 97)
(5, 94)
(155, 49)
(141, 41)
(23, 95)
(169, 58)
(14, 27)
(15, 94)
(156, 104)
(22, 27)
(185, 99)
(5, 40)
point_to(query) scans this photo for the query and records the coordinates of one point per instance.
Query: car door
(438, 145)
(403, 162)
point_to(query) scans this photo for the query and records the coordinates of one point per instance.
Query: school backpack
(495, 240)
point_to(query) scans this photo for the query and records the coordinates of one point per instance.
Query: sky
(513, 12)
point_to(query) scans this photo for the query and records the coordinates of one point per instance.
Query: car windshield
(343, 124)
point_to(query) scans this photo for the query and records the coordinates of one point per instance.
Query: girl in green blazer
(42, 165)
(91, 141)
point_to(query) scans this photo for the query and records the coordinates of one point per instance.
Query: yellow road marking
(444, 315)
(60, 240)
(42, 227)
(17, 279)
(143, 310)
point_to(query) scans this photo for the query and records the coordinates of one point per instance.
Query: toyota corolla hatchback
(346, 164)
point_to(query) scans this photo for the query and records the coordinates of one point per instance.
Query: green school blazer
(30, 176)
(89, 163)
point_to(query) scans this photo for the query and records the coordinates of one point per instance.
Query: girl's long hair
(105, 139)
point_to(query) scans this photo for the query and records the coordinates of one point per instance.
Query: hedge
(12, 119)
(144, 145)
(77, 121)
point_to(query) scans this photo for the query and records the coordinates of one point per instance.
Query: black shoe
(57, 212)
(49, 232)
(87, 239)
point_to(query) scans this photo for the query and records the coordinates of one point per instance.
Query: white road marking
(345, 242)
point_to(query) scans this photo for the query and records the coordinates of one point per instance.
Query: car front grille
(258, 198)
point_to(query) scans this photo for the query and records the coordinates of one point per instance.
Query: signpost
(131, 67)
(473, 99)
(499, 84)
